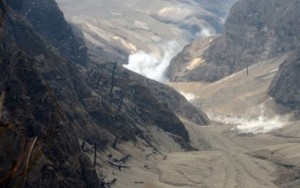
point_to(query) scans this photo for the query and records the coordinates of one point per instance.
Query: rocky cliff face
(38, 145)
(255, 30)
(285, 87)
(51, 100)
(48, 21)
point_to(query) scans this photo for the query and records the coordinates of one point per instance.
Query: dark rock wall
(285, 87)
(255, 30)
(29, 111)
(46, 19)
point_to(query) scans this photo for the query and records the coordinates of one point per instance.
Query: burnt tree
(113, 79)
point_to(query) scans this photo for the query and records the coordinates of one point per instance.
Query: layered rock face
(51, 99)
(255, 30)
(285, 87)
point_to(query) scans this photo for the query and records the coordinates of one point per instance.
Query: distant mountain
(255, 30)
(132, 25)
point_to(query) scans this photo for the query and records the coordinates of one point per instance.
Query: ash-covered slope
(50, 94)
(255, 30)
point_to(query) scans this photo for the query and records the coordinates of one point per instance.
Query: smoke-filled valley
(158, 93)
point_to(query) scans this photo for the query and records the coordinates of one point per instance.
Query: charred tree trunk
(120, 102)
(112, 79)
(82, 146)
(132, 93)
(95, 155)
(115, 143)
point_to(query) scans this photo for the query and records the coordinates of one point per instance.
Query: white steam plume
(258, 124)
(188, 96)
(151, 66)
(205, 32)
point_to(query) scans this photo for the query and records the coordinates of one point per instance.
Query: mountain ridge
(254, 31)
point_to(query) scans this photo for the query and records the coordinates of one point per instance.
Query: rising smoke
(151, 66)
(188, 96)
(154, 67)
(205, 32)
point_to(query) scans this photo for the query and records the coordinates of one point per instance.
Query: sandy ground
(226, 159)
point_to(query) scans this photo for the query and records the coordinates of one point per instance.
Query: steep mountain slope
(255, 30)
(75, 86)
(48, 21)
(38, 145)
(285, 87)
(50, 94)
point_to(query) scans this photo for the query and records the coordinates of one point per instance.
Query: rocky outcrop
(185, 65)
(255, 30)
(285, 87)
(50, 102)
(38, 145)
(48, 21)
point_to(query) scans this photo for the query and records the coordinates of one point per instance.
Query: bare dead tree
(82, 146)
(132, 93)
(121, 98)
(146, 81)
(99, 100)
(247, 69)
(28, 159)
(113, 79)
(115, 143)
(125, 159)
(162, 96)
(95, 155)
